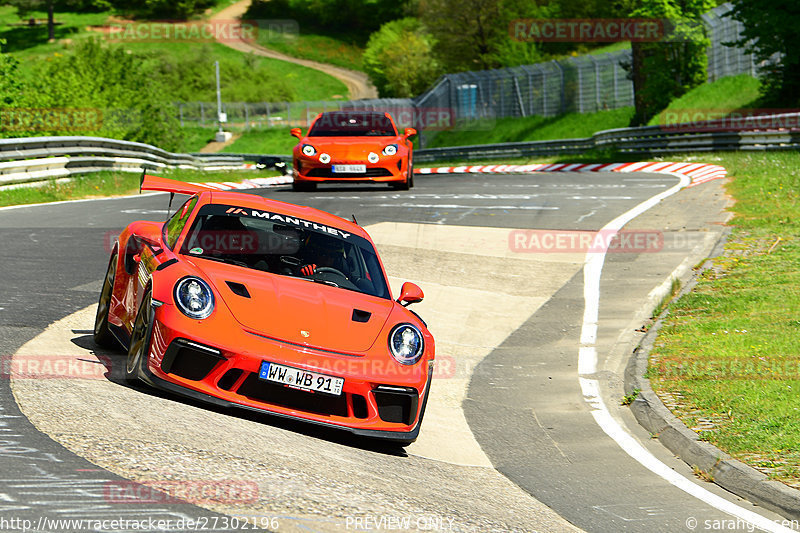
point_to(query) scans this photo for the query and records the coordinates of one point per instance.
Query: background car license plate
(301, 379)
(351, 169)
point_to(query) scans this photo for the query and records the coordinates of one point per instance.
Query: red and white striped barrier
(255, 183)
(697, 172)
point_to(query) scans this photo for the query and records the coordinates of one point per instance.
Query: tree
(770, 33)
(10, 88)
(466, 31)
(399, 59)
(663, 71)
(26, 7)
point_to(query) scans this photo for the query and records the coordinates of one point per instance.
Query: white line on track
(587, 364)
(456, 206)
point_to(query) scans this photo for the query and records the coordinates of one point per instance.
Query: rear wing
(155, 183)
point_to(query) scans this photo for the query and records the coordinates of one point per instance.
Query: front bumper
(387, 170)
(380, 399)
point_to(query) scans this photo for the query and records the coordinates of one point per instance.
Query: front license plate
(300, 379)
(349, 169)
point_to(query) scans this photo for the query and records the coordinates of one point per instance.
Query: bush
(110, 80)
(399, 59)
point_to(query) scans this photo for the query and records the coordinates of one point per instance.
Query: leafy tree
(10, 88)
(399, 59)
(355, 19)
(770, 33)
(116, 84)
(474, 34)
(663, 71)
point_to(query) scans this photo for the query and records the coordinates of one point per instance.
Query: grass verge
(535, 128)
(329, 49)
(711, 100)
(275, 141)
(103, 184)
(726, 360)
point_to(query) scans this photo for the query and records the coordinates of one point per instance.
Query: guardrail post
(563, 89)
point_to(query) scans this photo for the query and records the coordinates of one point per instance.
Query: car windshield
(353, 125)
(287, 246)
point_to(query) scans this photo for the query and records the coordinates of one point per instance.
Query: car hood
(300, 311)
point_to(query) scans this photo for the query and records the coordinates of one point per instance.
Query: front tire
(102, 334)
(139, 346)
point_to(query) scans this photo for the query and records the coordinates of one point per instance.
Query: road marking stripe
(587, 364)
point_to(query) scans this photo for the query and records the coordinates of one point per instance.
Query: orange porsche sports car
(348, 146)
(238, 300)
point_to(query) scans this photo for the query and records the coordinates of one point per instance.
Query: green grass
(111, 184)
(303, 83)
(195, 137)
(322, 48)
(276, 141)
(535, 128)
(710, 100)
(252, 76)
(728, 350)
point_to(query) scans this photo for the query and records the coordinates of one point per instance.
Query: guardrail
(35, 159)
(708, 136)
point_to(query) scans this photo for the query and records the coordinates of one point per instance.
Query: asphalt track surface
(524, 405)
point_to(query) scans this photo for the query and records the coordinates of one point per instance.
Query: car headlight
(309, 150)
(194, 297)
(406, 344)
(373, 157)
(324, 159)
(390, 150)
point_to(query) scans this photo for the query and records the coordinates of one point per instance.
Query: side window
(174, 226)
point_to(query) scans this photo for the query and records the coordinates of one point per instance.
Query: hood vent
(361, 316)
(238, 289)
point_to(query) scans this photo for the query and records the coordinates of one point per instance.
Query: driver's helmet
(325, 251)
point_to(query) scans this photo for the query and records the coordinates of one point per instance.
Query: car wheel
(401, 185)
(304, 186)
(410, 173)
(102, 335)
(140, 339)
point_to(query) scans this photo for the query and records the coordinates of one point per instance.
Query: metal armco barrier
(644, 140)
(35, 159)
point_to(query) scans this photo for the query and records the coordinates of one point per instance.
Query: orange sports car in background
(238, 300)
(353, 146)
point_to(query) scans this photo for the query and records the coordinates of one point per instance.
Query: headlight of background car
(405, 343)
(309, 150)
(194, 297)
(324, 159)
(390, 150)
(373, 157)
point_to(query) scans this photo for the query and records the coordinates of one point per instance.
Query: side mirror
(409, 132)
(410, 294)
(297, 132)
